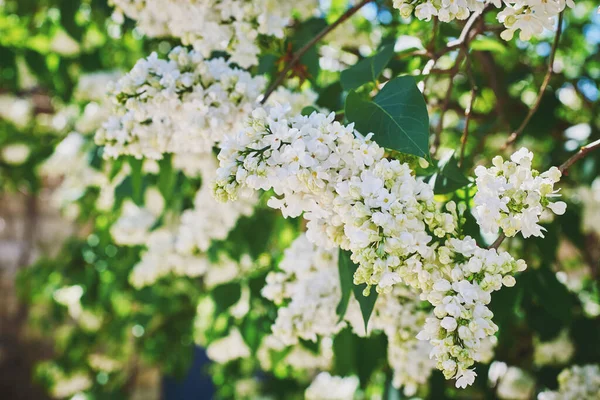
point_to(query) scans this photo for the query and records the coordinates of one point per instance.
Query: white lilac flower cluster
(70, 297)
(512, 196)
(376, 208)
(163, 259)
(529, 17)
(229, 348)
(458, 280)
(179, 105)
(181, 249)
(308, 292)
(233, 26)
(308, 285)
(135, 222)
(399, 315)
(301, 158)
(576, 383)
(327, 387)
(554, 352)
(67, 386)
(209, 219)
(295, 356)
(70, 162)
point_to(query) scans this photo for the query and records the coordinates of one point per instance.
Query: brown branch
(584, 151)
(465, 135)
(498, 241)
(579, 155)
(280, 78)
(462, 43)
(515, 135)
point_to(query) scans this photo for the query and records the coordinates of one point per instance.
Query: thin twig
(437, 134)
(465, 135)
(514, 136)
(563, 168)
(461, 43)
(298, 55)
(579, 155)
(498, 241)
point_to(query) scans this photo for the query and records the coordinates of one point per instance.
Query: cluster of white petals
(66, 386)
(458, 280)
(529, 17)
(354, 198)
(181, 249)
(209, 219)
(327, 387)
(70, 162)
(301, 158)
(233, 26)
(229, 348)
(135, 222)
(512, 196)
(557, 351)
(308, 292)
(295, 356)
(161, 260)
(179, 105)
(70, 297)
(400, 316)
(308, 289)
(576, 383)
(93, 87)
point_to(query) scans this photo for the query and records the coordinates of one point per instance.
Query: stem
(513, 137)
(350, 12)
(579, 155)
(498, 241)
(465, 135)
(584, 151)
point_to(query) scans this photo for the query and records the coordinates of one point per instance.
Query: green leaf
(167, 178)
(346, 269)
(367, 70)
(331, 97)
(226, 296)
(68, 12)
(123, 191)
(483, 43)
(137, 194)
(308, 110)
(313, 347)
(344, 345)
(397, 116)
(366, 303)
(449, 178)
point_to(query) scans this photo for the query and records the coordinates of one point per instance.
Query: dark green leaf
(366, 303)
(346, 270)
(367, 70)
(331, 97)
(226, 296)
(136, 181)
(308, 110)
(449, 177)
(68, 12)
(167, 178)
(397, 116)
